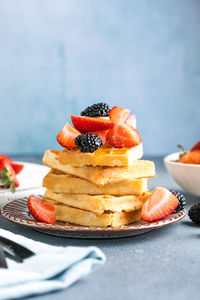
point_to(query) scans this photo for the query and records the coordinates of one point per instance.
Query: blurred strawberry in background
(8, 171)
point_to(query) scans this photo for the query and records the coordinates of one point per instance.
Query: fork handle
(3, 263)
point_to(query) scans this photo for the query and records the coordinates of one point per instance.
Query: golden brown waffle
(99, 203)
(102, 175)
(62, 183)
(77, 216)
(104, 156)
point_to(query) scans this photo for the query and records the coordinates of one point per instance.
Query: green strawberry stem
(181, 148)
(182, 151)
(6, 180)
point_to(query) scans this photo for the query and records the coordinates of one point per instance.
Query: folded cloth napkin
(52, 268)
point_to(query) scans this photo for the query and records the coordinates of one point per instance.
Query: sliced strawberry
(17, 167)
(8, 177)
(196, 146)
(42, 211)
(123, 135)
(118, 114)
(102, 134)
(160, 204)
(67, 136)
(131, 121)
(89, 124)
(6, 158)
(12, 172)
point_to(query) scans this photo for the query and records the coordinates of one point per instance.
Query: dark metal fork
(14, 250)
(3, 263)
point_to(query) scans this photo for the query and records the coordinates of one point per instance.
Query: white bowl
(186, 175)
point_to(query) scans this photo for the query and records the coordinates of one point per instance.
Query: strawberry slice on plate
(123, 135)
(102, 134)
(42, 212)
(131, 121)
(160, 204)
(66, 137)
(196, 146)
(89, 124)
(118, 114)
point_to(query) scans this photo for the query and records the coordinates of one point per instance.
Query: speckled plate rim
(17, 212)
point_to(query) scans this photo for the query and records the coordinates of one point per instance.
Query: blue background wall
(57, 57)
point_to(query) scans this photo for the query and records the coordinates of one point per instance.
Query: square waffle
(62, 183)
(102, 175)
(82, 217)
(104, 156)
(99, 203)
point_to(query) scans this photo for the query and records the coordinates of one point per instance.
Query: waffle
(104, 156)
(78, 216)
(102, 175)
(62, 183)
(99, 203)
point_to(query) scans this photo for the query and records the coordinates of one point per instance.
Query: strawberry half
(6, 158)
(102, 134)
(131, 121)
(118, 114)
(42, 211)
(89, 124)
(12, 172)
(123, 135)
(196, 146)
(67, 136)
(160, 204)
(8, 177)
(17, 167)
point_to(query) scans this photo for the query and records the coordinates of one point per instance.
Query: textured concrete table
(161, 264)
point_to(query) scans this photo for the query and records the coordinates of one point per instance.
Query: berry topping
(160, 204)
(102, 134)
(67, 136)
(118, 114)
(194, 213)
(96, 110)
(191, 157)
(42, 211)
(196, 146)
(131, 121)
(181, 199)
(88, 142)
(88, 124)
(123, 135)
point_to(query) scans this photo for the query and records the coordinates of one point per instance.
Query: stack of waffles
(105, 188)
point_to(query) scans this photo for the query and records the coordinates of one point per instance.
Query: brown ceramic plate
(17, 212)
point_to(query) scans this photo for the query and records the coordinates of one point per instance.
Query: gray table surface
(161, 264)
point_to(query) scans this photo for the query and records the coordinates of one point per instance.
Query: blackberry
(96, 110)
(194, 213)
(88, 142)
(181, 199)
